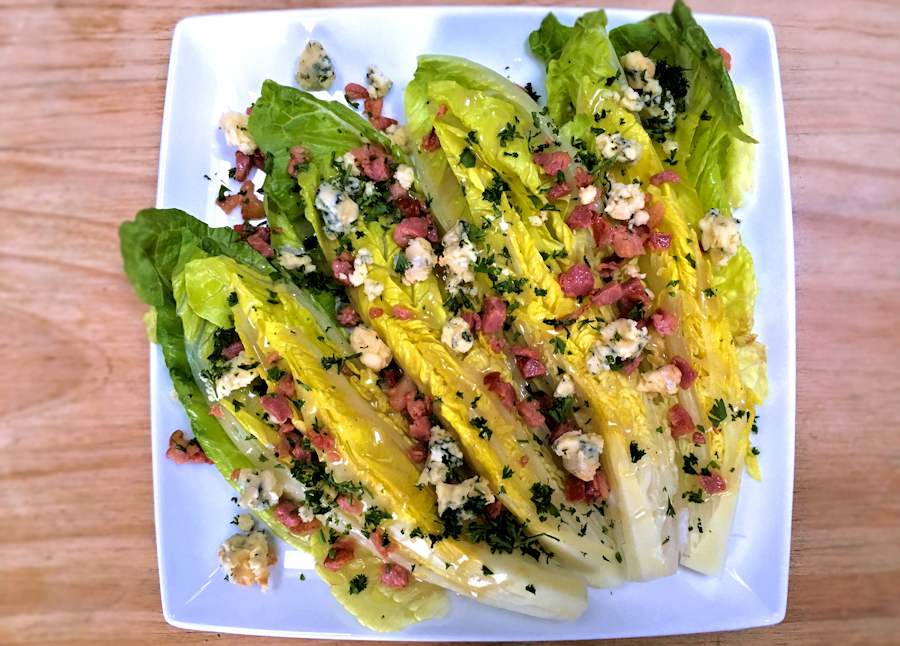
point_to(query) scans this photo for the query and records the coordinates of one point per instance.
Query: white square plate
(212, 70)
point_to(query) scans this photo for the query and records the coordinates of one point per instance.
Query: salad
(504, 349)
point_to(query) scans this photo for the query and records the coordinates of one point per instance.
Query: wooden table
(83, 85)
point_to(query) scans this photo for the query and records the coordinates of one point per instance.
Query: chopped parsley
(636, 452)
(717, 413)
(467, 158)
(541, 495)
(358, 583)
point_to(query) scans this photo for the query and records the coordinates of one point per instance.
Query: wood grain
(83, 85)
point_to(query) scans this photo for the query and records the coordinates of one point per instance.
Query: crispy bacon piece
(596, 489)
(347, 316)
(552, 162)
(607, 295)
(355, 92)
(299, 156)
(232, 350)
(342, 267)
(394, 576)
(680, 422)
(530, 412)
(582, 177)
(430, 142)
(577, 280)
(528, 360)
(713, 483)
(373, 162)
(340, 554)
(286, 512)
(350, 505)
(277, 407)
(558, 191)
(625, 243)
(493, 315)
(183, 450)
(658, 241)
(688, 374)
(501, 388)
(665, 176)
(411, 227)
(581, 217)
(402, 313)
(664, 322)
(726, 57)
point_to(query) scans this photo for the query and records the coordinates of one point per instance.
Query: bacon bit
(350, 505)
(282, 449)
(418, 452)
(417, 408)
(373, 107)
(402, 313)
(726, 57)
(272, 358)
(656, 211)
(216, 410)
(234, 474)
(286, 387)
(287, 427)
(596, 489)
(355, 92)
(347, 316)
(381, 543)
(680, 421)
(409, 228)
(634, 292)
(559, 431)
(243, 164)
(698, 438)
(340, 554)
(286, 512)
(277, 407)
(320, 440)
(574, 489)
(583, 178)
(713, 483)
(441, 111)
(493, 511)
(430, 142)
(581, 217)
(183, 450)
(552, 162)
(496, 343)
(602, 230)
(301, 454)
(530, 412)
(260, 244)
(420, 429)
(493, 315)
(232, 350)
(394, 576)
(401, 393)
(658, 241)
(528, 360)
(664, 322)
(501, 388)
(631, 365)
(665, 176)
(299, 156)
(607, 295)
(558, 191)
(577, 280)
(382, 123)
(626, 244)
(411, 207)
(688, 374)
(523, 460)
(375, 312)
(342, 267)
(373, 161)
(473, 319)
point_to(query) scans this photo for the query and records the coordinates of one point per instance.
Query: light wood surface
(83, 85)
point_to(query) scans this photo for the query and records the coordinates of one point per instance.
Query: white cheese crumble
(379, 83)
(444, 454)
(538, 219)
(375, 354)
(621, 340)
(245, 522)
(361, 267)
(239, 372)
(625, 202)
(720, 235)
(565, 387)
(421, 261)
(457, 335)
(405, 176)
(580, 453)
(290, 259)
(454, 496)
(615, 146)
(638, 69)
(398, 135)
(373, 288)
(348, 163)
(458, 256)
(338, 210)
(246, 559)
(234, 126)
(258, 489)
(663, 380)
(315, 71)
(587, 194)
